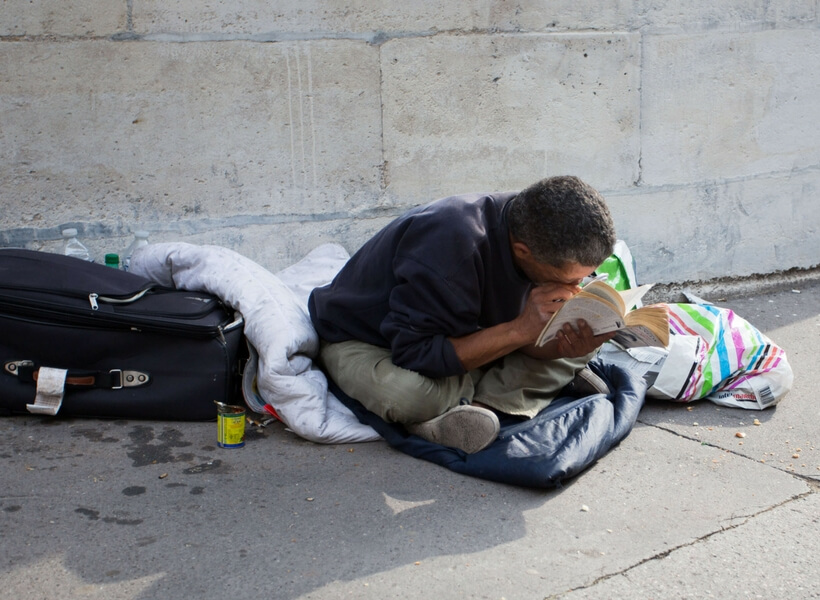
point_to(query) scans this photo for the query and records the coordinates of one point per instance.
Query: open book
(606, 309)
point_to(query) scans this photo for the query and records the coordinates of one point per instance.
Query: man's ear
(520, 250)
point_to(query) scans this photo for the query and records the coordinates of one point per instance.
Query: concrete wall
(272, 127)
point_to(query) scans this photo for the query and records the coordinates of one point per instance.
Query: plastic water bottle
(140, 239)
(74, 247)
(112, 260)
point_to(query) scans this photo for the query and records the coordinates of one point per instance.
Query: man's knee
(367, 373)
(409, 397)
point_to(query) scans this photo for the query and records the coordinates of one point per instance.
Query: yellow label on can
(230, 429)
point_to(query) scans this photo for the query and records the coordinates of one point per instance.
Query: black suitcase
(119, 345)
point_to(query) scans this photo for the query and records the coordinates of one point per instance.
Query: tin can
(230, 426)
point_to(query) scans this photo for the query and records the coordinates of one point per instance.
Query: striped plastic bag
(719, 356)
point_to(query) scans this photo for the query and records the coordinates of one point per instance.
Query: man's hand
(484, 346)
(572, 343)
(542, 303)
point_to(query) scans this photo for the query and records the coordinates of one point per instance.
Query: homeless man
(432, 323)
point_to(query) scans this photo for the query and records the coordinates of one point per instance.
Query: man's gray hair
(563, 220)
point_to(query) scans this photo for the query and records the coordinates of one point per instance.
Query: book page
(607, 293)
(636, 336)
(654, 318)
(632, 296)
(600, 315)
(627, 299)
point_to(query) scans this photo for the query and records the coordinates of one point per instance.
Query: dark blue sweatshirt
(440, 270)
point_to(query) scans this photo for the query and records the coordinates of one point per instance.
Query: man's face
(570, 275)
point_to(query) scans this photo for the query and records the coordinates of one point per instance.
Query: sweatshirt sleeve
(427, 307)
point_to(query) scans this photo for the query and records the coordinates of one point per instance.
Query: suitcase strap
(113, 379)
(51, 382)
(50, 390)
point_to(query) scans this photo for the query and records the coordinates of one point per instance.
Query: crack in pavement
(814, 487)
(661, 555)
(807, 478)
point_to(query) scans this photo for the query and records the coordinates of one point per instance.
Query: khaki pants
(516, 384)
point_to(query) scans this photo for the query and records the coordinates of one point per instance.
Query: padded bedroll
(560, 442)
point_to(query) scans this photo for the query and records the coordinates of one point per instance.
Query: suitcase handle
(114, 379)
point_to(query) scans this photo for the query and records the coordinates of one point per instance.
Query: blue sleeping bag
(561, 441)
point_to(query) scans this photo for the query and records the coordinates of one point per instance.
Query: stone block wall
(272, 127)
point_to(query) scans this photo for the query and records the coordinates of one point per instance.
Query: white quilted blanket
(277, 325)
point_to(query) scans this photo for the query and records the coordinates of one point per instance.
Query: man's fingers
(581, 341)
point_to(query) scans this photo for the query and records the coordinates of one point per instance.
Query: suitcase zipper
(238, 321)
(144, 322)
(93, 297)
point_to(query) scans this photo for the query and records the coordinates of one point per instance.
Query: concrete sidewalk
(681, 509)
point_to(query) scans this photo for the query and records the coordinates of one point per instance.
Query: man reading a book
(432, 323)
